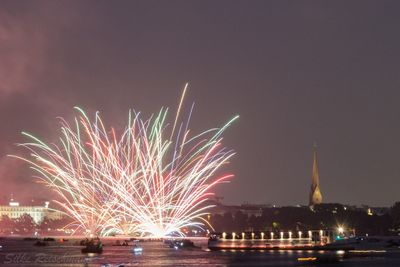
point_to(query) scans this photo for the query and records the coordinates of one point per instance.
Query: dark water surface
(24, 253)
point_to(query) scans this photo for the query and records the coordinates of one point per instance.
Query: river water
(23, 253)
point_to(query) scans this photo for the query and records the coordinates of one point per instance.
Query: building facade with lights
(38, 213)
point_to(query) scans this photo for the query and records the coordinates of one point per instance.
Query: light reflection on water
(23, 253)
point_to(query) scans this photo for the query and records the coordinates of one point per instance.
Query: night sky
(295, 71)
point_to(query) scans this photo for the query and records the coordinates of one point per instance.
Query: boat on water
(41, 243)
(92, 246)
(354, 245)
(367, 243)
(259, 241)
(181, 244)
(137, 249)
(118, 243)
(93, 249)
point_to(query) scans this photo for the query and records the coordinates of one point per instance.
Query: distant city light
(369, 212)
(14, 204)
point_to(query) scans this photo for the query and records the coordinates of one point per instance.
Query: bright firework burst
(138, 182)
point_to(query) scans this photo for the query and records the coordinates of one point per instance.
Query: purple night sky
(295, 71)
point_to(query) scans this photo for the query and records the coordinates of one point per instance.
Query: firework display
(149, 179)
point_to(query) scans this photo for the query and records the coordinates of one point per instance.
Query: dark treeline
(323, 216)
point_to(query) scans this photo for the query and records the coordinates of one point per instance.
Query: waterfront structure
(315, 193)
(13, 210)
(272, 240)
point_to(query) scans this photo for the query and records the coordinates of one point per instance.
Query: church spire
(315, 193)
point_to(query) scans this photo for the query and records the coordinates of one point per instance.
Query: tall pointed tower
(315, 193)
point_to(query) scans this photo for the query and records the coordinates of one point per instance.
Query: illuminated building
(38, 213)
(315, 193)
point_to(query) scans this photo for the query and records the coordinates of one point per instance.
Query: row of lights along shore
(281, 235)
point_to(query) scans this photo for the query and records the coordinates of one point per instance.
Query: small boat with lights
(93, 246)
(137, 249)
(181, 244)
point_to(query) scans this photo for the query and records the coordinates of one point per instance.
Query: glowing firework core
(138, 182)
